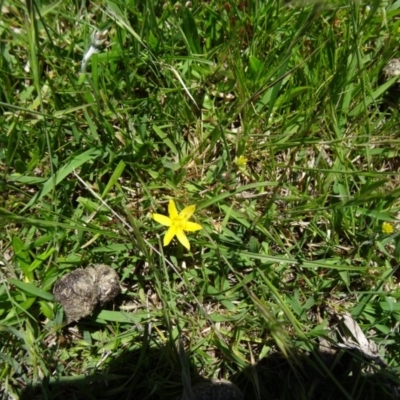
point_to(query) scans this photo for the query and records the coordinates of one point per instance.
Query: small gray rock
(392, 69)
(80, 291)
(108, 281)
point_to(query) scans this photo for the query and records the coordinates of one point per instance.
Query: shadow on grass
(317, 376)
(146, 373)
(158, 373)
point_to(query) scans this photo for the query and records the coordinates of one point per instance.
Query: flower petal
(171, 232)
(191, 226)
(187, 212)
(182, 238)
(172, 211)
(162, 219)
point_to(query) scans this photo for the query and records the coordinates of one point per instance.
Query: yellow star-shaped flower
(178, 223)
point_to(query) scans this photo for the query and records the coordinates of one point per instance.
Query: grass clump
(273, 120)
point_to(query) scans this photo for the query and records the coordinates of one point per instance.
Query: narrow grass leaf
(123, 317)
(63, 172)
(61, 113)
(23, 257)
(302, 263)
(114, 178)
(373, 97)
(46, 309)
(31, 289)
(217, 198)
(115, 12)
(190, 30)
(160, 133)
(41, 258)
(6, 215)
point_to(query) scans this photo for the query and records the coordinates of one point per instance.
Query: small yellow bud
(387, 228)
(241, 162)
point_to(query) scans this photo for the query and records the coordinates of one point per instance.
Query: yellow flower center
(178, 223)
